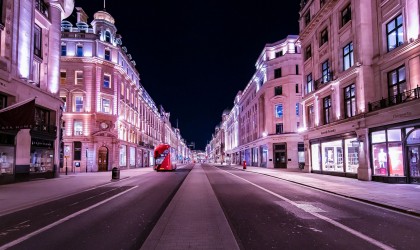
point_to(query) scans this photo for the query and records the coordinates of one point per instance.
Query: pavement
(194, 213)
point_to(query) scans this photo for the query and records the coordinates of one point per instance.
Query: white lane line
(333, 222)
(28, 236)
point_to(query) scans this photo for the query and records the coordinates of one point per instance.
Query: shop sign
(41, 143)
(328, 131)
(403, 115)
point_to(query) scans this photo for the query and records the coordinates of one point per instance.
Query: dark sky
(194, 56)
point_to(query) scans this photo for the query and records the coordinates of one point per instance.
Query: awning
(18, 116)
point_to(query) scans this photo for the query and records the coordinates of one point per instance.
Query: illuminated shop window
(315, 156)
(352, 155)
(332, 156)
(387, 153)
(395, 33)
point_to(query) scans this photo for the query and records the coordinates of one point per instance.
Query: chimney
(81, 15)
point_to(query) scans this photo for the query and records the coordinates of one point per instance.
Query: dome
(103, 15)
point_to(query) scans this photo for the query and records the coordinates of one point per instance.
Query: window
(311, 116)
(307, 18)
(78, 103)
(345, 15)
(301, 152)
(396, 82)
(106, 104)
(63, 50)
(297, 109)
(3, 101)
(279, 128)
(297, 69)
(297, 88)
(327, 110)
(350, 101)
(64, 103)
(308, 52)
(395, 33)
(321, 3)
(107, 36)
(278, 90)
(77, 151)
(78, 127)
(348, 56)
(277, 73)
(107, 81)
(37, 41)
(279, 54)
(279, 110)
(36, 72)
(107, 54)
(79, 50)
(63, 76)
(78, 77)
(324, 37)
(325, 68)
(309, 84)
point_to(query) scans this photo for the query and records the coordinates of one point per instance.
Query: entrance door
(413, 157)
(103, 159)
(280, 156)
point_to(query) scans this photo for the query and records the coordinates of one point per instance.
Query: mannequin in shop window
(382, 158)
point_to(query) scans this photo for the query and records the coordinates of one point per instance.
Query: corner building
(29, 87)
(361, 94)
(262, 127)
(109, 120)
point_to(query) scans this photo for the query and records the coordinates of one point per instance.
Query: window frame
(308, 52)
(279, 128)
(327, 109)
(77, 79)
(399, 83)
(278, 90)
(309, 83)
(104, 81)
(277, 73)
(350, 100)
(348, 56)
(103, 108)
(78, 107)
(325, 71)
(37, 36)
(77, 122)
(79, 50)
(63, 49)
(346, 16)
(395, 32)
(63, 80)
(323, 38)
(107, 56)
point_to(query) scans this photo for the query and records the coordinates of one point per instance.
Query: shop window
(123, 156)
(279, 110)
(348, 60)
(315, 155)
(413, 136)
(396, 166)
(352, 155)
(78, 127)
(387, 153)
(77, 151)
(42, 156)
(345, 15)
(264, 155)
(394, 135)
(132, 157)
(301, 152)
(395, 33)
(397, 84)
(332, 156)
(7, 153)
(380, 159)
(78, 78)
(378, 136)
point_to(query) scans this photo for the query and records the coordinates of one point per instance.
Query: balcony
(324, 79)
(395, 100)
(41, 7)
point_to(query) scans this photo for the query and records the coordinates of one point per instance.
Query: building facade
(110, 120)
(29, 87)
(262, 127)
(361, 93)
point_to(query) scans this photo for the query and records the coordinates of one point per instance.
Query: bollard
(115, 173)
(244, 165)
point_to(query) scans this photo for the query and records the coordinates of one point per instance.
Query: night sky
(194, 56)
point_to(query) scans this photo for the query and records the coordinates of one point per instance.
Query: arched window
(107, 36)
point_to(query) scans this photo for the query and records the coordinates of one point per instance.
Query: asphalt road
(268, 213)
(115, 216)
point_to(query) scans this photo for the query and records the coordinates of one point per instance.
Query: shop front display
(42, 156)
(123, 156)
(132, 157)
(264, 155)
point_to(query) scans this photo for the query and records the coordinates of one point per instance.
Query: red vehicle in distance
(164, 158)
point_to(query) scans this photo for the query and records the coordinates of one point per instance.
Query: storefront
(132, 157)
(254, 152)
(7, 158)
(42, 158)
(264, 156)
(123, 156)
(337, 155)
(395, 153)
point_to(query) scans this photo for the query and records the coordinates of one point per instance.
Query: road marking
(28, 236)
(331, 221)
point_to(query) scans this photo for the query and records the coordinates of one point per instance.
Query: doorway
(414, 163)
(103, 159)
(280, 155)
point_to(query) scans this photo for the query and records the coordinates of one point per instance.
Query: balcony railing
(41, 7)
(324, 79)
(395, 100)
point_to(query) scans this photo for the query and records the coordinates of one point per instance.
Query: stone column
(54, 39)
(364, 172)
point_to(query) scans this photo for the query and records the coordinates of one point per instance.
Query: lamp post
(86, 160)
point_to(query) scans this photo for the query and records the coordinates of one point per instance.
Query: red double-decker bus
(164, 158)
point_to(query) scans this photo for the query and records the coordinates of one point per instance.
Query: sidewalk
(20, 195)
(193, 219)
(401, 197)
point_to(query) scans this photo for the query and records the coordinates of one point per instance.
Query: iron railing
(395, 100)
